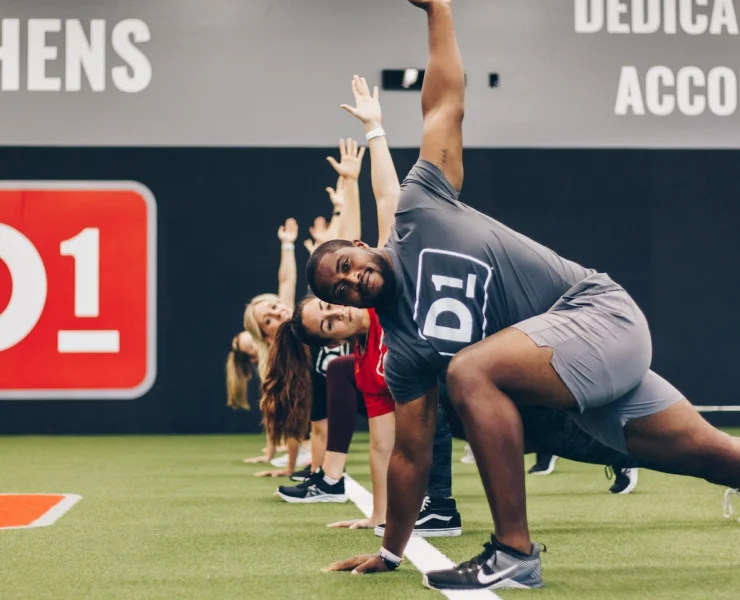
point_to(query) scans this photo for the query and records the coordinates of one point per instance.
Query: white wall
(273, 72)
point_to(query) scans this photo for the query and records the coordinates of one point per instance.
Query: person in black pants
(438, 516)
(625, 480)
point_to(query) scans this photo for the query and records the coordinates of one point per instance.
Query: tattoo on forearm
(443, 162)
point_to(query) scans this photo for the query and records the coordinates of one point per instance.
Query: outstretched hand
(367, 106)
(363, 563)
(355, 524)
(274, 473)
(256, 459)
(336, 196)
(319, 232)
(288, 233)
(350, 159)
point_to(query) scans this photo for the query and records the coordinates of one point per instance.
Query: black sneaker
(625, 481)
(544, 466)
(438, 518)
(313, 489)
(496, 567)
(301, 475)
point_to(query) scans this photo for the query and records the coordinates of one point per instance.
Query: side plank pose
(248, 354)
(315, 324)
(514, 324)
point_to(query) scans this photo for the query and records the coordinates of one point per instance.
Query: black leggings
(343, 402)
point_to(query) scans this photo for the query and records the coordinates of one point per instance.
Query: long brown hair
(239, 372)
(286, 384)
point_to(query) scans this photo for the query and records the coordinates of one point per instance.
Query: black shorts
(318, 406)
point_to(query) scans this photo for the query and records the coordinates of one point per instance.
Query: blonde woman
(241, 366)
(249, 351)
(266, 312)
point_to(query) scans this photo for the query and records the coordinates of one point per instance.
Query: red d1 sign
(77, 289)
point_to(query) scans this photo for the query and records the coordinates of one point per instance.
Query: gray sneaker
(494, 568)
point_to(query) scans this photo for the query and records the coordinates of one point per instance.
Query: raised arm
(385, 180)
(349, 170)
(287, 272)
(443, 93)
(336, 195)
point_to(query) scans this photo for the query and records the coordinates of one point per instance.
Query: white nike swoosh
(489, 579)
(430, 517)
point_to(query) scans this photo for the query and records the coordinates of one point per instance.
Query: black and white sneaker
(301, 475)
(314, 489)
(438, 518)
(544, 466)
(625, 480)
(496, 567)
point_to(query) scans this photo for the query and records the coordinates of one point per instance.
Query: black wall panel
(662, 223)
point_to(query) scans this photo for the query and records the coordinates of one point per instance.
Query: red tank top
(369, 364)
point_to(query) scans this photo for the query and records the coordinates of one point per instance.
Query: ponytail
(286, 387)
(286, 380)
(240, 370)
(237, 380)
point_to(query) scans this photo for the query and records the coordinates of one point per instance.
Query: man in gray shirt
(524, 326)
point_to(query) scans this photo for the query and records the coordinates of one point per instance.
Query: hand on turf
(357, 523)
(256, 459)
(363, 563)
(426, 4)
(273, 473)
(288, 233)
(350, 157)
(367, 106)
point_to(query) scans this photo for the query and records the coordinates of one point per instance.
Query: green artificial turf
(182, 517)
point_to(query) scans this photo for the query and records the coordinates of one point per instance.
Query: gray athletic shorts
(602, 351)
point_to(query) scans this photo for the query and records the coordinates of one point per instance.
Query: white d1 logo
(451, 300)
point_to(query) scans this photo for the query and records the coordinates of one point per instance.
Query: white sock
(331, 481)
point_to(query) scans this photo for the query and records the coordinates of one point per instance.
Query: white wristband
(387, 554)
(379, 132)
(287, 246)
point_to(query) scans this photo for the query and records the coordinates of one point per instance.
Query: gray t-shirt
(461, 277)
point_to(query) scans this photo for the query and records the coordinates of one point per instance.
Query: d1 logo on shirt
(451, 300)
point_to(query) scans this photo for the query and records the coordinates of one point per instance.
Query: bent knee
(381, 445)
(464, 375)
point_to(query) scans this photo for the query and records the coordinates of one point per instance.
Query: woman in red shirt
(316, 323)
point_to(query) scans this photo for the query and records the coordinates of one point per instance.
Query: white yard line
(419, 552)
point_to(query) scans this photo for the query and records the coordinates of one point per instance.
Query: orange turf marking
(21, 510)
